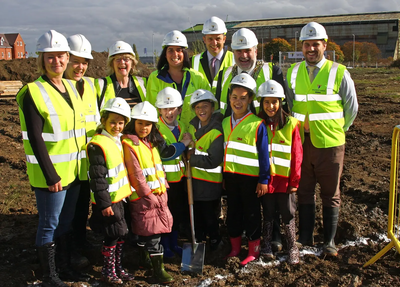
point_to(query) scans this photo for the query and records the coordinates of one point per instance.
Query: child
(285, 158)
(148, 203)
(246, 167)
(169, 103)
(109, 185)
(205, 160)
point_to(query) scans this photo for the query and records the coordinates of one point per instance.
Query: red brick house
(12, 46)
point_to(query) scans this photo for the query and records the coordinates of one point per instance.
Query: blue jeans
(56, 212)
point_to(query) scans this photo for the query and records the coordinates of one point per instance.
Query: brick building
(12, 46)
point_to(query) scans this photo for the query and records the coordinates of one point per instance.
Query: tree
(135, 51)
(332, 46)
(363, 51)
(198, 47)
(276, 45)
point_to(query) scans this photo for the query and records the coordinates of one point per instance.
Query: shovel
(193, 253)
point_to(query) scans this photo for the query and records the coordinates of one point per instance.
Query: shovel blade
(193, 257)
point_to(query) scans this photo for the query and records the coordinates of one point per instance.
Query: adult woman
(174, 70)
(120, 81)
(53, 132)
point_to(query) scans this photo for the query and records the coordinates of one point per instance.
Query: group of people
(123, 142)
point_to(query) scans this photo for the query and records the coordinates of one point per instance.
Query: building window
(1, 41)
(17, 43)
(9, 55)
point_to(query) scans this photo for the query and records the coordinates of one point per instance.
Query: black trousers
(178, 203)
(206, 219)
(151, 243)
(244, 210)
(81, 213)
(285, 203)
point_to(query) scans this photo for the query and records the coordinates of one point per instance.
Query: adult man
(323, 97)
(215, 58)
(244, 46)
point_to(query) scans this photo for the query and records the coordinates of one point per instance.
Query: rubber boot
(306, 225)
(173, 243)
(165, 242)
(266, 250)
(144, 258)
(63, 260)
(108, 273)
(330, 221)
(276, 241)
(236, 243)
(254, 252)
(293, 250)
(46, 254)
(119, 270)
(159, 274)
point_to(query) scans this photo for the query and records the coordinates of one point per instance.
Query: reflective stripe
(52, 111)
(214, 83)
(196, 62)
(59, 158)
(116, 170)
(280, 148)
(241, 146)
(331, 79)
(294, 76)
(218, 169)
(151, 170)
(222, 105)
(172, 167)
(73, 88)
(197, 152)
(326, 116)
(300, 117)
(48, 137)
(280, 161)
(324, 98)
(91, 118)
(226, 75)
(266, 72)
(156, 183)
(82, 154)
(90, 83)
(241, 160)
(141, 84)
(117, 185)
(300, 98)
(256, 103)
(101, 86)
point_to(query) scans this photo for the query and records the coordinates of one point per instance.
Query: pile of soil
(362, 222)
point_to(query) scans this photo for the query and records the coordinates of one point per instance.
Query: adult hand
(291, 189)
(107, 212)
(186, 142)
(187, 136)
(56, 187)
(261, 189)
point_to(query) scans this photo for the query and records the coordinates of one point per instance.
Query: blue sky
(146, 22)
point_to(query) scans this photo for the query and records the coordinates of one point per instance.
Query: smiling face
(245, 58)
(204, 111)
(169, 115)
(76, 68)
(240, 101)
(122, 64)
(143, 128)
(313, 51)
(214, 43)
(271, 106)
(55, 63)
(175, 56)
(114, 124)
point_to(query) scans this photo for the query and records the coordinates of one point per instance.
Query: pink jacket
(150, 214)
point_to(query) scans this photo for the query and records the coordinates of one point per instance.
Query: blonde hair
(110, 67)
(40, 67)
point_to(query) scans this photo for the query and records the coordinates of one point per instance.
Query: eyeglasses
(119, 60)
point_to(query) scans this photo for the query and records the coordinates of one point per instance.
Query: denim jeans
(56, 212)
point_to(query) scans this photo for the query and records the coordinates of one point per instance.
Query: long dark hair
(154, 136)
(280, 117)
(162, 61)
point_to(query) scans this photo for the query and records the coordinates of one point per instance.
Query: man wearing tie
(323, 98)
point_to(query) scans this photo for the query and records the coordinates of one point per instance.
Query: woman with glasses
(120, 81)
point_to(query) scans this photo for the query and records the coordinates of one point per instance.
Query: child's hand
(186, 142)
(291, 189)
(107, 212)
(261, 189)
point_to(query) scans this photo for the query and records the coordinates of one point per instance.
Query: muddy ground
(363, 215)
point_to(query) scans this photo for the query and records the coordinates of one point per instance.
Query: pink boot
(254, 252)
(236, 243)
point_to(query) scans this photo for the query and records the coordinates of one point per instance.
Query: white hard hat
(244, 80)
(52, 41)
(120, 47)
(271, 88)
(80, 46)
(202, 95)
(118, 106)
(168, 98)
(214, 25)
(313, 31)
(144, 111)
(174, 38)
(243, 39)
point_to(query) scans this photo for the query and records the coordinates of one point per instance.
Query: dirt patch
(363, 216)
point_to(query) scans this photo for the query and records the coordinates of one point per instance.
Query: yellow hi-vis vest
(241, 155)
(229, 60)
(140, 84)
(117, 179)
(63, 132)
(175, 168)
(280, 148)
(321, 101)
(201, 147)
(264, 75)
(89, 99)
(150, 163)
